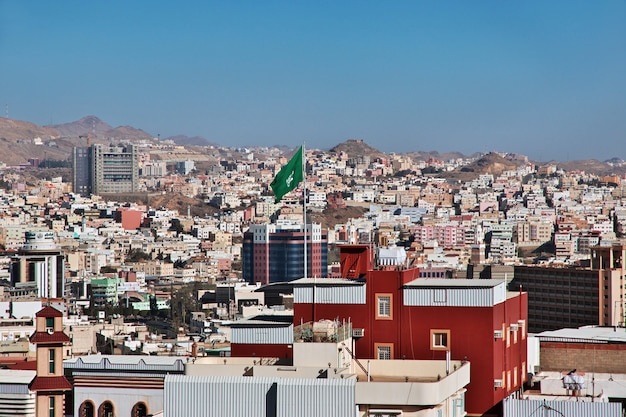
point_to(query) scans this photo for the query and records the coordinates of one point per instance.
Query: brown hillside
(491, 163)
(355, 148)
(331, 217)
(17, 130)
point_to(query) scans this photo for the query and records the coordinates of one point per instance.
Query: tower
(50, 383)
(105, 169)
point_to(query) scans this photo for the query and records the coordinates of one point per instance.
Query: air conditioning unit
(358, 332)
(497, 383)
(514, 327)
(497, 334)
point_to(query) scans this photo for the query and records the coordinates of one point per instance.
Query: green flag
(289, 176)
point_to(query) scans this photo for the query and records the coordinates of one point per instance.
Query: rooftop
(585, 335)
(11, 376)
(327, 281)
(454, 283)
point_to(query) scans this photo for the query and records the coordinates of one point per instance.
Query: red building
(395, 315)
(130, 219)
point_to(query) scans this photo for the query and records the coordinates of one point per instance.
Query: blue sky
(542, 78)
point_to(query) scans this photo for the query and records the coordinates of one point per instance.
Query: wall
(585, 357)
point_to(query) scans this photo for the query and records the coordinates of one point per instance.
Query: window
(49, 323)
(51, 361)
(51, 407)
(384, 307)
(87, 409)
(440, 339)
(139, 410)
(384, 351)
(105, 409)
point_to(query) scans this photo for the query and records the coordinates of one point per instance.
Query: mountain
(356, 147)
(193, 141)
(425, 156)
(17, 130)
(87, 125)
(491, 163)
(96, 128)
(127, 133)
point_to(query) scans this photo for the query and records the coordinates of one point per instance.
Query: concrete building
(119, 385)
(105, 169)
(323, 380)
(559, 297)
(39, 267)
(572, 297)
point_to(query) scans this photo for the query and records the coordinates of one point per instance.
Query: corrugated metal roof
(315, 397)
(585, 335)
(527, 408)
(326, 281)
(262, 335)
(443, 296)
(219, 396)
(344, 294)
(235, 396)
(127, 362)
(10, 376)
(454, 283)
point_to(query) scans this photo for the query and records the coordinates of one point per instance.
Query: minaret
(50, 383)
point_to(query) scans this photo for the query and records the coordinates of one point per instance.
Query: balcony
(399, 383)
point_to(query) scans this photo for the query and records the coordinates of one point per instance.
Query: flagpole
(306, 266)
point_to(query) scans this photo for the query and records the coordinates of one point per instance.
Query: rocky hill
(96, 128)
(14, 130)
(355, 148)
(491, 163)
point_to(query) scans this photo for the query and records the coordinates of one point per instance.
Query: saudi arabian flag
(289, 176)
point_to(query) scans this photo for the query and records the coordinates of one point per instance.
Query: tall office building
(105, 169)
(275, 252)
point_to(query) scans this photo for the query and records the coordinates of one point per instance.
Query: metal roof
(454, 283)
(327, 281)
(10, 376)
(585, 335)
(127, 362)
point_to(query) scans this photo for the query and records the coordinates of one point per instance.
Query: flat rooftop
(589, 334)
(454, 283)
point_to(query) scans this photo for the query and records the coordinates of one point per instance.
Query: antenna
(6, 109)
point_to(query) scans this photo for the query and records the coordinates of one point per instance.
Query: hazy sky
(542, 78)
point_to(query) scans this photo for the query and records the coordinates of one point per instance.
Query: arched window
(87, 409)
(139, 410)
(106, 409)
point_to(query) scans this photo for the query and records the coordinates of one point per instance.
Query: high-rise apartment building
(275, 253)
(104, 169)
